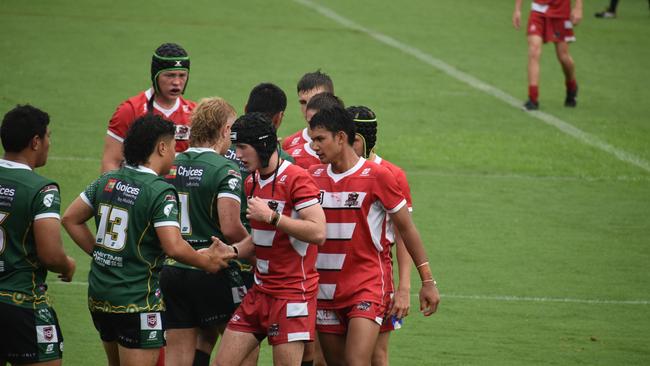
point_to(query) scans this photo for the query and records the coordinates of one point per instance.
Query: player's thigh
(138, 356)
(235, 346)
(333, 347)
(535, 43)
(287, 354)
(360, 341)
(112, 353)
(181, 344)
(380, 353)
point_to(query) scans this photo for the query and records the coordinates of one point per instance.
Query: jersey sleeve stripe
(398, 207)
(166, 223)
(47, 215)
(115, 136)
(229, 195)
(85, 199)
(306, 204)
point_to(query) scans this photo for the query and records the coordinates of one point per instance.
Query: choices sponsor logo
(114, 184)
(188, 171)
(7, 191)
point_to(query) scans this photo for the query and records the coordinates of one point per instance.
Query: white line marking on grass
(475, 83)
(73, 158)
(546, 299)
(482, 297)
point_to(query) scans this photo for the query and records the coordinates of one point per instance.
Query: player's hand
(401, 303)
(69, 273)
(516, 19)
(429, 298)
(219, 254)
(258, 210)
(576, 16)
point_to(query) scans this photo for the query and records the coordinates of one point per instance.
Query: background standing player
(365, 122)
(550, 21)
(310, 84)
(30, 242)
(170, 67)
(303, 155)
(136, 215)
(356, 195)
(286, 222)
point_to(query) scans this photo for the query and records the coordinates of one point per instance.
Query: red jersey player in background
(550, 21)
(357, 195)
(365, 122)
(287, 223)
(310, 84)
(170, 67)
(303, 155)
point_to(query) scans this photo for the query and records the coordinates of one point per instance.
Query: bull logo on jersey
(352, 199)
(110, 185)
(273, 205)
(48, 333)
(274, 330)
(363, 306)
(152, 320)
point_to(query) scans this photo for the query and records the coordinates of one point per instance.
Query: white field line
(475, 83)
(482, 297)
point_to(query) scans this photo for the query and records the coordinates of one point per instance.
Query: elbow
(66, 221)
(320, 237)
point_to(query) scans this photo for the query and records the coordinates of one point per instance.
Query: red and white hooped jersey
(304, 156)
(136, 106)
(286, 266)
(352, 262)
(552, 8)
(296, 139)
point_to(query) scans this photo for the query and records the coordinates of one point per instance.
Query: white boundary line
(483, 297)
(475, 83)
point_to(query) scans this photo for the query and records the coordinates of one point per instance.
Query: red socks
(571, 85)
(533, 93)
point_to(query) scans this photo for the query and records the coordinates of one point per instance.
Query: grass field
(538, 231)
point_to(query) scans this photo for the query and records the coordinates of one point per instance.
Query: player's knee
(380, 357)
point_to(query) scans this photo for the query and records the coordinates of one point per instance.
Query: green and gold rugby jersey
(201, 176)
(128, 204)
(24, 198)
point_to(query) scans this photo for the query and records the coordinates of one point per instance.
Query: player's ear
(36, 142)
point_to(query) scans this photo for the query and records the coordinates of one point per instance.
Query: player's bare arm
(213, 260)
(74, 221)
(516, 15)
(49, 248)
(576, 13)
(309, 227)
(112, 157)
(429, 296)
(229, 220)
(402, 300)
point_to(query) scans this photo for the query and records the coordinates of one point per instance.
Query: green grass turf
(512, 211)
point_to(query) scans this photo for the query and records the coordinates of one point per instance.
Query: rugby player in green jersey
(209, 186)
(30, 242)
(136, 215)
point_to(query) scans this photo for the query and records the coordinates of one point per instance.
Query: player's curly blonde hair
(208, 120)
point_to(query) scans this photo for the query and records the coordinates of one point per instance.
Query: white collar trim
(142, 169)
(268, 180)
(200, 149)
(337, 177)
(305, 135)
(166, 112)
(13, 165)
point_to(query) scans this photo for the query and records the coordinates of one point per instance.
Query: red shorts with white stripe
(281, 320)
(550, 29)
(336, 320)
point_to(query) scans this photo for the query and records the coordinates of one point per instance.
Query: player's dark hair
(143, 136)
(334, 119)
(315, 79)
(365, 122)
(20, 125)
(324, 100)
(267, 98)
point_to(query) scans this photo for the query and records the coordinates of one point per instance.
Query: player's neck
(346, 160)
(166, 103)
(372, 156)
(21, 158)
(274, 161)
